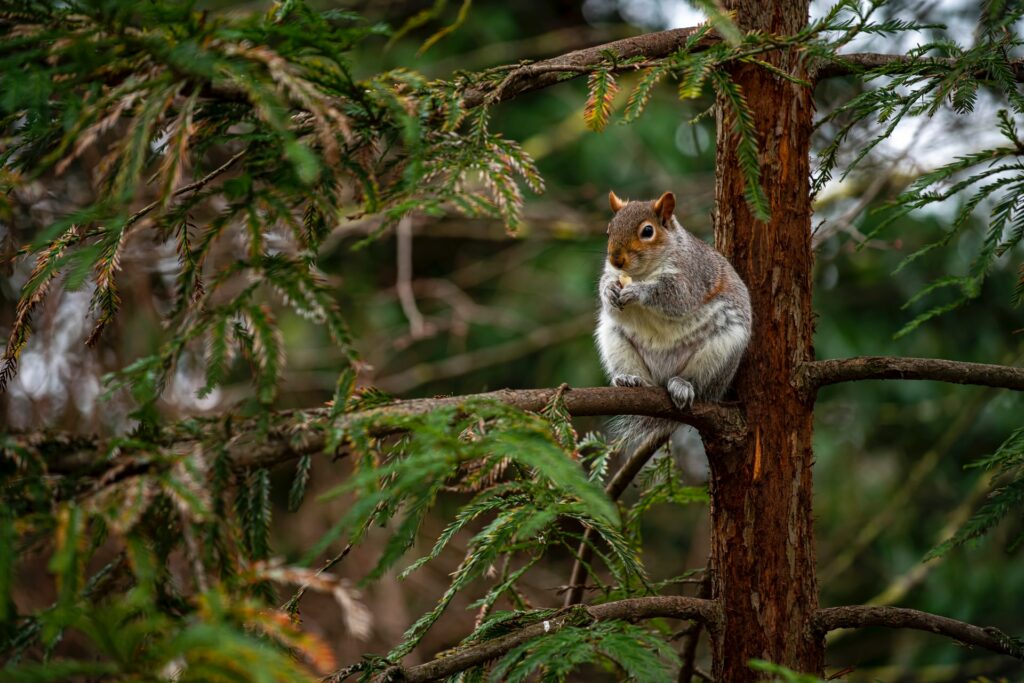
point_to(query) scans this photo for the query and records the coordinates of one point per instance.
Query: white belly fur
(659, 348)
(660, 333)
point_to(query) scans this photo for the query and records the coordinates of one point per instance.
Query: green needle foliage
(241, 141)
(284, 141)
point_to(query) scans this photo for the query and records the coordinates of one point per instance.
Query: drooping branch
(816, 374)
(633, 609)
(297, 433)
(859, 616)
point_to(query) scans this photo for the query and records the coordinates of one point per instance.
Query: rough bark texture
(762, 526)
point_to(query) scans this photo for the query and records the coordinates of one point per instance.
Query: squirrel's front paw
(681, 392)
(611, 293)
(629, 294)
(629, 381)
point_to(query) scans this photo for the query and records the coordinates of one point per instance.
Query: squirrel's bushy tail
(632, 430)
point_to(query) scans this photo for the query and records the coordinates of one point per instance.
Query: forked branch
(816, 374)
(859, 616)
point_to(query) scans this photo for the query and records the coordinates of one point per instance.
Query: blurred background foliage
(501, 312)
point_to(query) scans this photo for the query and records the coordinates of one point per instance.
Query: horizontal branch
(660, 44)
(816, 374)
(859, 616)
(633, 609)
(856, 63)
(297, 433)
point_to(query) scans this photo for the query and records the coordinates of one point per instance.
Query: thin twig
(455, 366)
(548, 72)
(192, 551)
(857, 63)
(691, 639)
(403, 235)
(193, 186)
(615, 488)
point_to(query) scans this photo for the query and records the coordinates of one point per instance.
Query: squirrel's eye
(647, 232)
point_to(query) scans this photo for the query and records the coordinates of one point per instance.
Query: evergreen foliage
(280, 138)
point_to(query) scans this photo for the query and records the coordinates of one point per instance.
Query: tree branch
(657, 45)
(856, 63)
(859, 616)
(633, 609)
(570, 65)
(816, 374)
(301, 432)
(691, 638)
(543, 337)
(615, 488)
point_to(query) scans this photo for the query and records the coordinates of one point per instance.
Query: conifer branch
(615, 488)
(194, 186)
(859, 616)
(853, 64)
(541, 74)
(634, 609)
(302, 432)
(657, 45)
(816, 374)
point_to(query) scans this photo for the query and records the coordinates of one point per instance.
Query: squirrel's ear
(614, 201)
(664, 207)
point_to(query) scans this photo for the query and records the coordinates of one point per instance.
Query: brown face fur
(626, 250)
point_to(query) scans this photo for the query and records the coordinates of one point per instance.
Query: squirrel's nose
(618, 260)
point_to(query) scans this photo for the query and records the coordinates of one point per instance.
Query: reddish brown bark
(762, 526)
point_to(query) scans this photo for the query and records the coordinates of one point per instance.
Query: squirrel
(674, 312)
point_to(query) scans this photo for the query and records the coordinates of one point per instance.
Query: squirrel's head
(639, 231)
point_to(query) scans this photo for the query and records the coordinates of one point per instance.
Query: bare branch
(417, 327)
(540, 338)
(691, 638)
(633, 609)
(859, 616)
(816, 374)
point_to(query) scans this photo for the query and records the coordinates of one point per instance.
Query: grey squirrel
(674, 313)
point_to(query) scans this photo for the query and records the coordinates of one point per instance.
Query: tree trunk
(762, 525)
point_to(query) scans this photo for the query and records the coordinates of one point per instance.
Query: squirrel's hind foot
(630, 381)
(681, 392)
